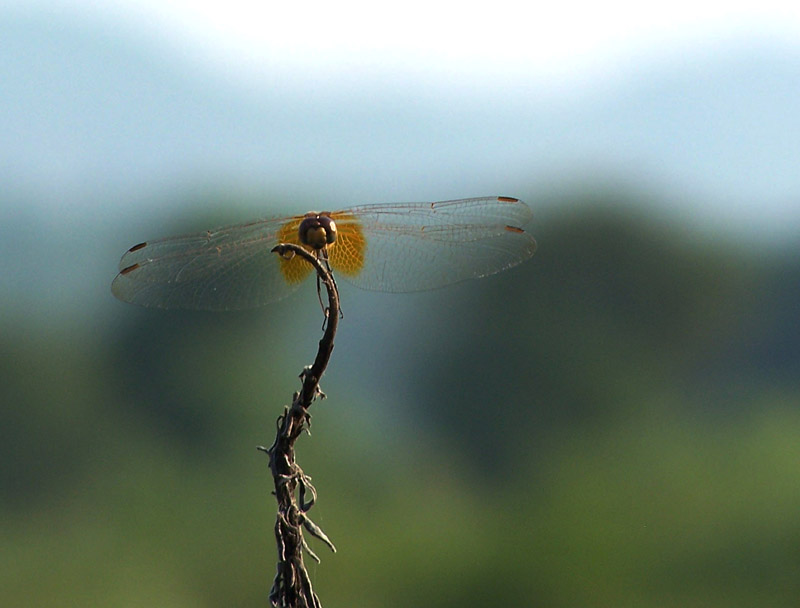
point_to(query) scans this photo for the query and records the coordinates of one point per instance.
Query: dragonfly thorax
(317, 230)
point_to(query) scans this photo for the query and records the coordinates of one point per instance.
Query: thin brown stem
(293, 490)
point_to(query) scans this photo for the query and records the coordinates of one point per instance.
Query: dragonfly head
(317, 230)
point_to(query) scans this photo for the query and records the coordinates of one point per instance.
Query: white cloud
(429, 36)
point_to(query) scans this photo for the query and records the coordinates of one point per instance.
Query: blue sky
(378, 102)
(121, 119)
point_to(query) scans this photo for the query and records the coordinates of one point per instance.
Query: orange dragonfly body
(394, 247)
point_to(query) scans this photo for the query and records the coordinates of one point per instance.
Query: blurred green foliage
(614, 423)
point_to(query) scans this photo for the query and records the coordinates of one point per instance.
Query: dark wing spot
(507, 199)
(129, 269)
(137, 247)
(515, 230)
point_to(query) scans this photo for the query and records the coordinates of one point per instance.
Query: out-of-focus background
(614, 423)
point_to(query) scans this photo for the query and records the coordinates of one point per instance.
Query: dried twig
(292, 586)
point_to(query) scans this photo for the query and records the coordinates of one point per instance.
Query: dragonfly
(393, 247)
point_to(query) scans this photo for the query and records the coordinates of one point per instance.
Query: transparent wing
(418, 246)
(392, 247)
(229, 268)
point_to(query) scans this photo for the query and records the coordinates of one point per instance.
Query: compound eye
(317, 231)
(330, 230)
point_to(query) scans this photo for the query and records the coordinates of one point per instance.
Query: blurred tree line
(612, 423)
